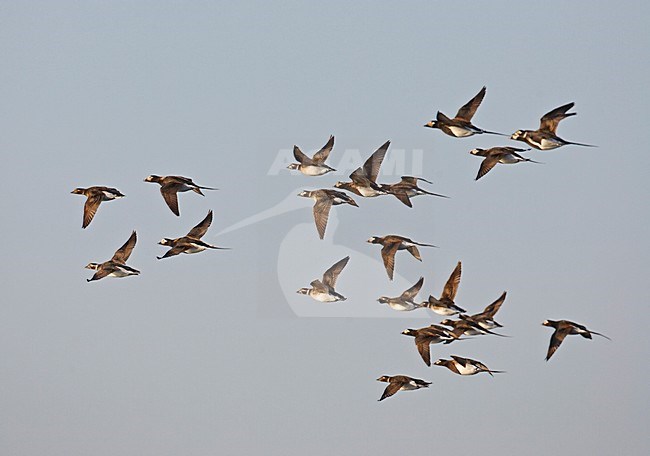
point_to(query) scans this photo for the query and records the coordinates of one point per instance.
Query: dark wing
(302, 158)
(176, 250)
(511, 149)
(123, 253)
(330, 276)
(391, 389)
(199, 230)
(468, 110)
(491, 310)
(551, 119)
(486, 165)
(556, 340)
(321, 214)
(388, 255)
(321, 155)
(318, 285)
(372, 165)
(451, 287)
(101, 273)
(171, 197)
(90, 208)
(402, 196)
(462, 361)
(424, 348)
(413, 250)
(413, 291)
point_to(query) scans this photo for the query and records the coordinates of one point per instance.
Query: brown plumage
(391, 244)
(94, 197)
(564, 328)
(171, 185)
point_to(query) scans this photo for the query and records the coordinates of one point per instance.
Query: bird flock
(170, 186)
(363, 183)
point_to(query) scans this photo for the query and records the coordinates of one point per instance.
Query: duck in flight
(465, 366)
(171, 185)
(461, 126)
(405, 301)
(400, 383)
(545, 138)
(324, 199)
(314, 166)
(364, 179)
(446, 305)
(323, 290)
(433, 334)
(94, 197)
(494, 155)
(191, 242)
(116, 266)
(391, 244)
(407, 188)
(565, 328)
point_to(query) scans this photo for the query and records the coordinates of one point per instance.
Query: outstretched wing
(486, 165)
(491, 310)
(321, 214)
(199, 230)
(321, 155)
(90, 208)
(467, 111)
(462, 361)
(171, 197)
(123, 253)
(451, 287)
(302, 158)
(330, 276)
(556, 340)
(424, 348)
(413, 291)
(388, 255)
(372, 165)
(391, 389)
(551, 119)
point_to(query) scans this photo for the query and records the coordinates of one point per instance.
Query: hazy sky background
(214, 353)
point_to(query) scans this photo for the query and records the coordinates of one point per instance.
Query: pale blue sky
(214, 353)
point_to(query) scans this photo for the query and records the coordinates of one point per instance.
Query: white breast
(311, 170)
(461, 132)
(467, 370)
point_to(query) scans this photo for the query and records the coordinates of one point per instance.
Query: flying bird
(433, 334)
(486, 318)
(116, 266)
(404, 302)
(94, 197)
(191, 242)
(446, 305)
(565, 328)
(407, 188)
(171, 185)
(314, 166)
(494, 155)
(323, 290)
(461, 125)
(324, 200)
(364, 179)
(465, 366)
(391, 244)
(544, 138)
(400, 383)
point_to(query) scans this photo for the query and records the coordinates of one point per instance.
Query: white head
(517, 135)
